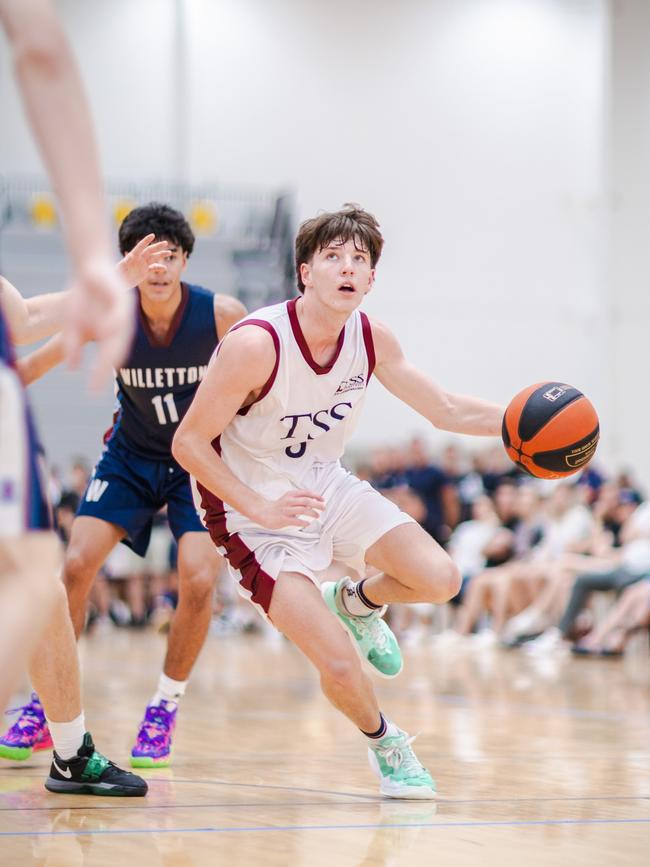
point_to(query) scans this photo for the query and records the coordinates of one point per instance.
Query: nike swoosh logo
(67, 773)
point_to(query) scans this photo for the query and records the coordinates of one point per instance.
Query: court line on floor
(292, 804)
(371, 826)
(362, 798)
(178, 806)
(264, 786)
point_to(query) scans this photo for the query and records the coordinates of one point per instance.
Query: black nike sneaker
(91, 773)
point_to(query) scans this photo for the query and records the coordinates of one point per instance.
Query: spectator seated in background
(630, 614)
(626, 566)
(132, 590)
(470, 542)
(411, 467)
(495, 468)
(65, 512)
(609, 513)
(493, 591)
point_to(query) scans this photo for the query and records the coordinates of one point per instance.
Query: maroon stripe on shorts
(253, 578)
(368, 342)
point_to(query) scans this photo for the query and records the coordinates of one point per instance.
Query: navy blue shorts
(127, 490)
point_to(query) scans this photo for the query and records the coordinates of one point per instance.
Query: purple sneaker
(28, 733)
(154, 744)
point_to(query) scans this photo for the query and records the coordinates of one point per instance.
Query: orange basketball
(550, 430)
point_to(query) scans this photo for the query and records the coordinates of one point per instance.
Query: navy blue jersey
(156, 384)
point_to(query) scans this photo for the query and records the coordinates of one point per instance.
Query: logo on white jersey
(318, 423)
(352, 384)
(96, 488)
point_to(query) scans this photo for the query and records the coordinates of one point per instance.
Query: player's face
(161, 286)
(340, 275)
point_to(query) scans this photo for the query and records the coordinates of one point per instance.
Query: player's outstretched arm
(58, 112)
(238, 373)
(39, 362)
(32, 319)
(227, 312)
(457, 413)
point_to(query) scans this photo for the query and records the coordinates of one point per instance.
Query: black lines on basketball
(551, 430)
(574, 457)
(535, 413)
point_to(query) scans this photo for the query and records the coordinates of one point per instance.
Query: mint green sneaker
(398, 769)
(371, 636)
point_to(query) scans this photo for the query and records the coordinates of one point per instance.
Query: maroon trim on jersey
(302, 343)
(253, 578)
(262, 323)
(369, 343)
(174, 325)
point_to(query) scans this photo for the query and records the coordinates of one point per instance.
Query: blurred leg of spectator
(500, 591)
(100, 603)
(136, 598)
(631, 612)
(551, 593)
(584, 586)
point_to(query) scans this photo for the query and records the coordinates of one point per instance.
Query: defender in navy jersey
(159, 378)
(178, 326)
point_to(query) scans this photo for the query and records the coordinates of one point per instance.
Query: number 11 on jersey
(168, 401)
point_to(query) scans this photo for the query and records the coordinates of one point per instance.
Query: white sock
(169, 690)
(68, 736)
(354, 599)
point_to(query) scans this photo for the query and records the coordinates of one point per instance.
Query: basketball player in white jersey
(263, 439)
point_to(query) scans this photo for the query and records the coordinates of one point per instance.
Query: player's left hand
(145, 258)
(101, 309)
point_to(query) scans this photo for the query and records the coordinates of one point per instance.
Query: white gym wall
(500, 143)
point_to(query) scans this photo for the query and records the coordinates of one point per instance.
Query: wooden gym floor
(538, 762)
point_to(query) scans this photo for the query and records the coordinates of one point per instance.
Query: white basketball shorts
(355, 517)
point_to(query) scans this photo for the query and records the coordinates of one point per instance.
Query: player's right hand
(293, 509)
(147, 257)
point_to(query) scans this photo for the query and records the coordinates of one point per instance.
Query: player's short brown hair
(350, 223)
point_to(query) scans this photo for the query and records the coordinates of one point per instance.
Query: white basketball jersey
(305, 414)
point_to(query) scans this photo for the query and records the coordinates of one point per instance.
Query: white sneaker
(103, 626)
(398, 769)
(526, 623)
(547, 642)
(484, 638)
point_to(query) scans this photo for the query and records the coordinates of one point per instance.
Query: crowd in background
(545, 565)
